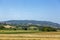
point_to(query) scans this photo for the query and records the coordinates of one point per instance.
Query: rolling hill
(42, 23)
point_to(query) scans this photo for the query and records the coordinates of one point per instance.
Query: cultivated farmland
(31, 36)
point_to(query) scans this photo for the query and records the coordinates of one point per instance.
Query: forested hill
(42, 23)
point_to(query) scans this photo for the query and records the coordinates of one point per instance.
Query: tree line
(29, 27)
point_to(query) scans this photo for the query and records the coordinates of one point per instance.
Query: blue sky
(42, 10)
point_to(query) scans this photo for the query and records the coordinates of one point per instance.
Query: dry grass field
(32, 36)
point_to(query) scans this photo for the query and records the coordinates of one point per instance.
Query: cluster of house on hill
(30, 27)
(8, 26)
(23, 28)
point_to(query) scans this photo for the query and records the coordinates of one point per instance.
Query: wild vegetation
(10, 28)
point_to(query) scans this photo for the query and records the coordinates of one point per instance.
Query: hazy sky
(43, 10)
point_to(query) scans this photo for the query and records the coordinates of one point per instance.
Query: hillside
(42, 23)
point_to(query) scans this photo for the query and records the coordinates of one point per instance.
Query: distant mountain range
(42, 23)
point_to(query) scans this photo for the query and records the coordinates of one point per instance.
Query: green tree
(48, 29)
(2, 27)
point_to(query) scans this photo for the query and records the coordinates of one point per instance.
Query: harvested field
(32, 36)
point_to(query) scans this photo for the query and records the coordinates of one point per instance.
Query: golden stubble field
(32, 36)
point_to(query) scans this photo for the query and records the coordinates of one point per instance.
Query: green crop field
(17, 31)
